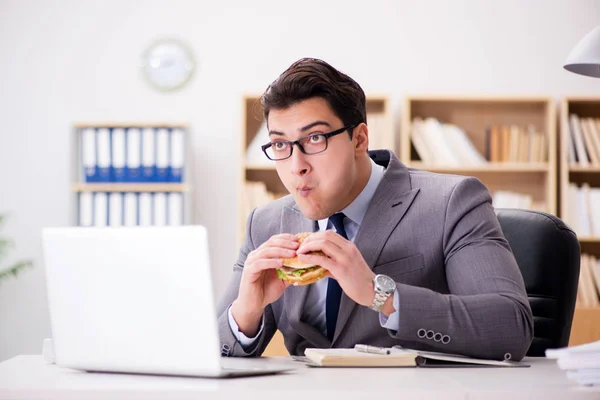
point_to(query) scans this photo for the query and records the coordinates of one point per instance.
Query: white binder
(148, 155)
(133, 170)
(177, 155)
(145, 206)
(86, 209)
(118, 154)
(88, 154)
(100, 209)
(115, 209)
(160, 209)
(103, 138)
(162, 155)
(130, 209)
(175, 209)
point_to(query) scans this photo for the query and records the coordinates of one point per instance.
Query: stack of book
(437, 143)
(256, 195)
(581, 363)
(584, 141)
(516, 144)
(583, 212)
(511, 199)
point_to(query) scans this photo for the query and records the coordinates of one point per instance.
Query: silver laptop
(137, 300)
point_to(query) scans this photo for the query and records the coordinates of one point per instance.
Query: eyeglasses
(312, 144)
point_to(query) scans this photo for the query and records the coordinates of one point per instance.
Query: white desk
(29, 377)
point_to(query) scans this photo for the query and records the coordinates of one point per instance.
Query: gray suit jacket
(438, 237)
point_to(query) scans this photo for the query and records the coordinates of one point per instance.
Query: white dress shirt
(313, 312)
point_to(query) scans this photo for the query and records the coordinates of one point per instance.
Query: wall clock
(168, 64)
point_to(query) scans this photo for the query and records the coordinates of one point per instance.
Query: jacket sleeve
(229, 344)
(487, 313)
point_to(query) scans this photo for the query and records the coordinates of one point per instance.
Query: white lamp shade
(585, 56)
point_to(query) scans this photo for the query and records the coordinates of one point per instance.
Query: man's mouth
(304, 191)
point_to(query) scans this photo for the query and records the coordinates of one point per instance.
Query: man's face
(324, 183)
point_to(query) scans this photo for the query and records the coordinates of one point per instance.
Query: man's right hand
(260, 285)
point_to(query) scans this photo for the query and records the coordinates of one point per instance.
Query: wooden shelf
(586, 326)
(131, 187)
(80, 125)
(260, 167)
(475, 115)
(588, 239)
(491, 167)
(579, 169)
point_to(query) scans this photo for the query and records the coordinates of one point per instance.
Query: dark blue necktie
(334, 291)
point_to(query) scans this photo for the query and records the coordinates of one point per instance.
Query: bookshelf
(175, 191)
(259, 180)
(509, 143)
(579, 196)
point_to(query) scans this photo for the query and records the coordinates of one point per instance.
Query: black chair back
(548, 254)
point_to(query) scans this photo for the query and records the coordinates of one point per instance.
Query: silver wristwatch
(384, 287)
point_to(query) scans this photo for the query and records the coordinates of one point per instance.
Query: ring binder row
(132, 154)
(130, 209)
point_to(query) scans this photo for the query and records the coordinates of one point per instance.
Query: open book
(397, 357)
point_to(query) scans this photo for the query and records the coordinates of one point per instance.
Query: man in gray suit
(416, 259)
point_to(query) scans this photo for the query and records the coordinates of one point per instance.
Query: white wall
(65, 61)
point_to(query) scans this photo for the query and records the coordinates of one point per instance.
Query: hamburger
(299, 273)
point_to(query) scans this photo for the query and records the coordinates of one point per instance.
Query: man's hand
(344, 262)
(260, 285)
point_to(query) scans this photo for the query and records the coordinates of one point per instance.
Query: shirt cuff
(393, 321)
(242, 339)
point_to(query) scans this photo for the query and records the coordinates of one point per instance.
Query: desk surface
(31, 377)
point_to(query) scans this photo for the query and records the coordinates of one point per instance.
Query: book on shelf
(583, 140)
(583, 211)
(588, 287)
(516, 144)
(512, 199)
(439, 143)
(396, 357)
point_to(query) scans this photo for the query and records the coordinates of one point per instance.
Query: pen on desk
(365, 348)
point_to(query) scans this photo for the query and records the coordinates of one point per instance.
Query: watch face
(168, 64)
(385, 283)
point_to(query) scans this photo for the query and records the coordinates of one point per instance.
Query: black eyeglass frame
(264, 147)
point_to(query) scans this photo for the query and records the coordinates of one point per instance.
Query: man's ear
(361, 138)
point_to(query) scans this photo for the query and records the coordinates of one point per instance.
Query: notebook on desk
(397, 357)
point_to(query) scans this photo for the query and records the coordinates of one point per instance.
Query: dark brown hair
(311, 77)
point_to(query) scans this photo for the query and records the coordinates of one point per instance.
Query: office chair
(548, 254)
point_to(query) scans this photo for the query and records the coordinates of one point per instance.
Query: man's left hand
(344, 262)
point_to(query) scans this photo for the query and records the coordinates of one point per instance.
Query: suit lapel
(392, 199)
(293, 221)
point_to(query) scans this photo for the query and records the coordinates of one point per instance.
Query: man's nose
(299, 163)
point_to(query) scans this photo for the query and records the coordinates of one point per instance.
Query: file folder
(103, 138)
(88, 154)
(160, 209)
(145, 209)
(175, 209)
(118, 154)
(162, 155)
(130, 209)
(86, 209)
(115, 209)
(148, 155)
(100, 209)
(133, 171)
(177, 155)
